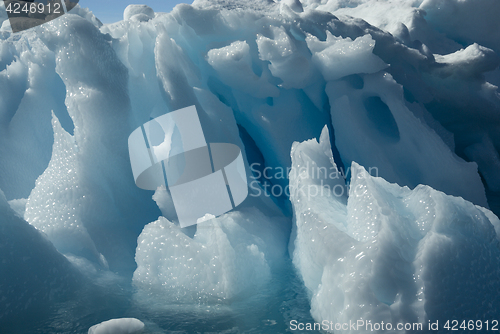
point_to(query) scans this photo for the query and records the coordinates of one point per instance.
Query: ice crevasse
(419, 105)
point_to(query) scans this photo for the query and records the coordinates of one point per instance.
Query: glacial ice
(118, 326)
(338, 57)
(388, 253)
(387, 139)
(408, 113)
(227, 257)
(140, 12)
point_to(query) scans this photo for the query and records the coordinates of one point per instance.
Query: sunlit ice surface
(369, 134)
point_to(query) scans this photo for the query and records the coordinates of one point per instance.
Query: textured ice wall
(388, 253)
(388, 136)
(261, 76)
(61, 220)
(87, 196)
(440, 28)
(186, 57)
(30, 88)
(442, 25)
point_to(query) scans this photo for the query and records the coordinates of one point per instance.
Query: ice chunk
(234, 65)
(52, 215)
(338, 57)
(468, 62)
(205, 218)
(227, 257)
(375, 128)
(389, 254)
(284, 53)
(402, 18)
(143, 12)
(442, 25)
(317, 191)
(118, 326)
(386, 15)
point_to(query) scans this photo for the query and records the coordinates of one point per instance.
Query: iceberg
(382, 253)
(370, 133)
(225, 259)
(118, 326)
